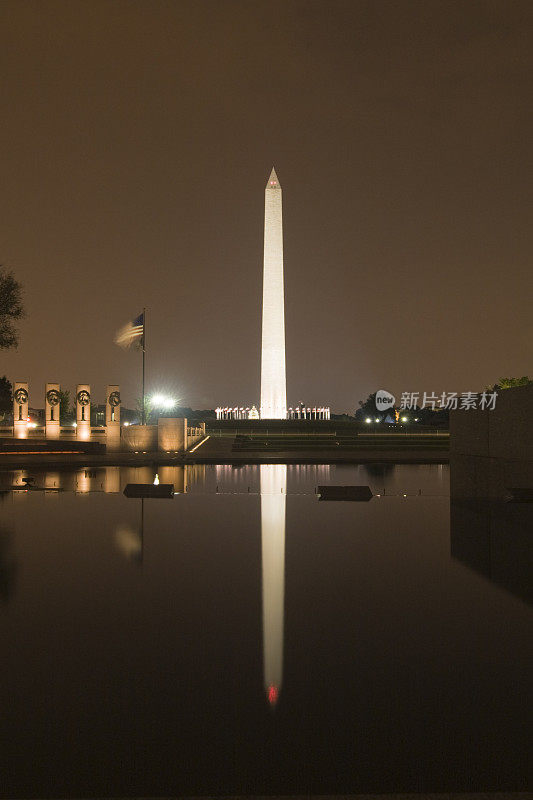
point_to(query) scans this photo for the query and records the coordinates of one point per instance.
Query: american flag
(132, 333)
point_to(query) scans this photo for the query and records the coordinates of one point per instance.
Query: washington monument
(273, 380)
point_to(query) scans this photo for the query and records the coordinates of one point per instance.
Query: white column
(273, 380)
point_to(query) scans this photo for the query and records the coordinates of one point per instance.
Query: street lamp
(162, 401)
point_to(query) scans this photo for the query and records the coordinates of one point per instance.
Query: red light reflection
(273, 695)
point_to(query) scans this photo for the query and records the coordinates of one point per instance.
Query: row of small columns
(300, 412)
(237, 412)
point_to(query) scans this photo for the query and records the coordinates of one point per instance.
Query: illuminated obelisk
(273, 381)
(273, 498)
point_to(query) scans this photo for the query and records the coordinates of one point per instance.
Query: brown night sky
(136, 139)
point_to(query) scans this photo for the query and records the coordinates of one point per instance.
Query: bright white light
(31, 425)
(376, 420)
(162, 401)
(126, 424)
(74, 424)
(368, 419)
(156, 480)
(404, 419)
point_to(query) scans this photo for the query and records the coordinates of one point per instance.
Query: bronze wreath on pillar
(83, 397)
(53, 397)
(21, 396)
(114, 399)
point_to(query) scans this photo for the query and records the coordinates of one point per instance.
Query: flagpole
(142, 530)
(144, 350)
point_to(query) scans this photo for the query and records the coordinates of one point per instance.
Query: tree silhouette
(6, 397)
(11, 309)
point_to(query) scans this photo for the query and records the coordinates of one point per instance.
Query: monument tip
(273, 180)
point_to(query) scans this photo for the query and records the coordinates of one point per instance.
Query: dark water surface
(245, 637)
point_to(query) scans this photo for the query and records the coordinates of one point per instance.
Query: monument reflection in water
(418, 668)
(273, 502)
(130, 539)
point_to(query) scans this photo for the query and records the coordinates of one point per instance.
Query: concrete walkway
(422, 796)
(219, 450)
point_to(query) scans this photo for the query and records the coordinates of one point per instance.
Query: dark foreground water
(245, 637)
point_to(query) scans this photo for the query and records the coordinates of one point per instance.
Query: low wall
(492, 451)
(172, 434)
(140, 438)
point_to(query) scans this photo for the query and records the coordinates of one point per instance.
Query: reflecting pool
(246, 637)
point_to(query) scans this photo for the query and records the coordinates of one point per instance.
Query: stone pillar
(172, 434)
(20, 409)
(52, 400)
(83, 411)
(112, 408)
(112, 416)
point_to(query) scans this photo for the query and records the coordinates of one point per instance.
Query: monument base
(83, 431)
(52, 430)
(20, 429)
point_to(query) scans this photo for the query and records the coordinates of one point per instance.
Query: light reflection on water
(245, 638)
(301, 478)
(273, 503)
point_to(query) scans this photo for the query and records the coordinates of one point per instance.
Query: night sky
(136, 139)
